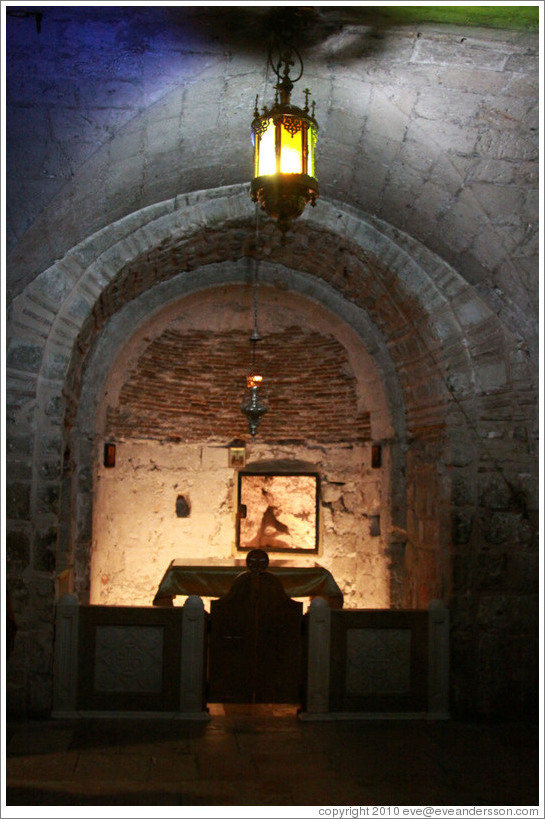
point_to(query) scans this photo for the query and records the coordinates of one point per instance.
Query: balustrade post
(192, 679)
(65, 679)
(319, 638)
(438, 660)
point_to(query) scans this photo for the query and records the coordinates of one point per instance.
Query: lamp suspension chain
(253, 406)
(255, 335)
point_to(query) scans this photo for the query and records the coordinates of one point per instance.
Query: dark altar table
(215, 577)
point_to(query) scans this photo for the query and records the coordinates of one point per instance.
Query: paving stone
(172, 767)
(41, 767)
(105, 767)
(354, 763)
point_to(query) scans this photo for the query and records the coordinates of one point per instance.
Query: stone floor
(265, 756)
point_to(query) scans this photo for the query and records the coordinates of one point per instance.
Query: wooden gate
(255, 641)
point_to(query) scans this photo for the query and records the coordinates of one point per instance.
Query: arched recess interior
(416, 309)
(325, 404)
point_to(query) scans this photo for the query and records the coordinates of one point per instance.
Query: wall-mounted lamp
(109, 455)
(284, 138)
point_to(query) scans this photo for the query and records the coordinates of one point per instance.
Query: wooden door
(255, 643)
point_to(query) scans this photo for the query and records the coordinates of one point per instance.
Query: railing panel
(379, 661)
(124, 660)
(129, 658)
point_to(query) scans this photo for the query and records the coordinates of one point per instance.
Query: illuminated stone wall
(137, 533)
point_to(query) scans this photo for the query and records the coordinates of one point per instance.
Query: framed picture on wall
(278, 512)
(237, 457)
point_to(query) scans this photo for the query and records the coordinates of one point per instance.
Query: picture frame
(278, 512)
(237, 457)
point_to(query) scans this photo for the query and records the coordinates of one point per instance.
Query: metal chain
(256, 273)
(255, 337)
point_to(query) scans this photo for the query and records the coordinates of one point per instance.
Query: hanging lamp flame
(284, 139)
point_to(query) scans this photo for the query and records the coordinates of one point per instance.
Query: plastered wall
(136, 531)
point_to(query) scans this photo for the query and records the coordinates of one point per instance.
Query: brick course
(189, 386)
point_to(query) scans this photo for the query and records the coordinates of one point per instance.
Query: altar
(215, 577)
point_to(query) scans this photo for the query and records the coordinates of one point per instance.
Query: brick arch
(420, 308)
(413, 298)
(415, 301)
(304, 425)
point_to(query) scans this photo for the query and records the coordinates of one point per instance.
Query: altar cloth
(214, 578)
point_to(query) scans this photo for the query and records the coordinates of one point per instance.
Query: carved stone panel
(378, 661)
(129, 658)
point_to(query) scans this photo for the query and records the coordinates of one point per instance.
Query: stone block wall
(122, 187)
(433, 128)
(495, 563)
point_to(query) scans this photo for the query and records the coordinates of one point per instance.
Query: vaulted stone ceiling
(425, 123)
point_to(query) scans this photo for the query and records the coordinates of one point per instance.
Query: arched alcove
(383, 285)
(370, 275)
(170, 403)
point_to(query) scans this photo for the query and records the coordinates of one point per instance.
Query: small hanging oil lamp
(253, 405)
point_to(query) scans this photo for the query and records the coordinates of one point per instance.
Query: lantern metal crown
(284, 138)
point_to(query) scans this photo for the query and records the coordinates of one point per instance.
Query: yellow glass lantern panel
(266, 151)
(291, 151)
(311, 144)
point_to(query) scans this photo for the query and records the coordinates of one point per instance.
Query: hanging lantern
(284, 138)
(253, 405)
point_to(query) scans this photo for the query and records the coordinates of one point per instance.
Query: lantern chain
(255, 337)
